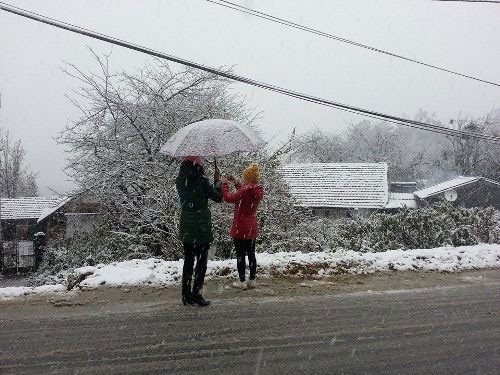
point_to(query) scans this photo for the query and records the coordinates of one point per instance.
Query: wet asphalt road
(442, 330)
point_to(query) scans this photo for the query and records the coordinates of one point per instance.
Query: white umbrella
(212, 138)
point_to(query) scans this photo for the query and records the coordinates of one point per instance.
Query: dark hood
(190, 171)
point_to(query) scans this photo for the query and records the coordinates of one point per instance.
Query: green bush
(441, 224)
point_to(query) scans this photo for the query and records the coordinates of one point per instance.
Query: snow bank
(156, 272)
(20, 291)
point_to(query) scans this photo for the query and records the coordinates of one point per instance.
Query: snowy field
(156, 272)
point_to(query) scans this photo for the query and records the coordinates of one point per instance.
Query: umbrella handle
(216, 168)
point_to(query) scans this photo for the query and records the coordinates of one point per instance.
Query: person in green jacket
(195, 227)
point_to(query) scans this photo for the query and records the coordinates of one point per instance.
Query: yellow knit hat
(251, 174)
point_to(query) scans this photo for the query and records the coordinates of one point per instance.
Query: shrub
(441, 224)
(101, 245)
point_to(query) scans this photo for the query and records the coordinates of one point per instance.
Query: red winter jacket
(246, 200)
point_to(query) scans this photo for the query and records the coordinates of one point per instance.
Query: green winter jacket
(194, 190)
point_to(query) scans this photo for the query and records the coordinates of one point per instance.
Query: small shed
(82, 213)
(337, 190)
(30, 222)
(464, 191)
(19, 225)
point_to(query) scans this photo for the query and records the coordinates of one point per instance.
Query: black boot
(187, 273)
(187, 294)
(187, 299)
(198, 299)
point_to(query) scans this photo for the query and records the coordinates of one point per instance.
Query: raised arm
(231, 198)
(231, 178)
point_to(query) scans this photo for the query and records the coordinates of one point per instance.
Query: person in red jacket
(244, 231)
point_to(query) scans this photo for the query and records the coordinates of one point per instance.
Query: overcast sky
(461, 36)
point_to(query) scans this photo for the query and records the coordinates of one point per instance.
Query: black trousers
(245, 248)
(192, 252)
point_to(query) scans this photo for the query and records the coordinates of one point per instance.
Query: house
(19, 225)
(81, 213)
(464, 191)
(337, 190)
(27, 223)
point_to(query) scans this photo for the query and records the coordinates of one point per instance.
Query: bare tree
(114, 146)
(412, 154)
(377, 142)
(125, 118)
(472, 157)
(319, 147)
(16, 179)
(407, 151)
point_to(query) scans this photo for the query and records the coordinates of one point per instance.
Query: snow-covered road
(438, 330)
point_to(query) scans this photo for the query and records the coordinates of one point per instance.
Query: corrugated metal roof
(28, 207)
(444, 186)
(346, 185)
(401, 200)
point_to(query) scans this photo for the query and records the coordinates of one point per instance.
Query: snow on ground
(156, 272)
(20, 291)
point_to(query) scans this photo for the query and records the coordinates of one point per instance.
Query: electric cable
(248, 81)
(282, 21)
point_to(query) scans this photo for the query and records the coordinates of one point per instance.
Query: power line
(269, 17)
(471, 1)
(248, 81)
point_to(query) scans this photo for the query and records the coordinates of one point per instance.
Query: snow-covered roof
(401, 200)
(444, 186)
(50, 210)
(347, 185)
(29, 207)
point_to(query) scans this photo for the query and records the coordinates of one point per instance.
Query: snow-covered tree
(16, 178)
(412, 154)
(318, 146)
(473, 157)
(114, 145)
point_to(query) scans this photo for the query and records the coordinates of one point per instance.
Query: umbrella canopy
(212, 138)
